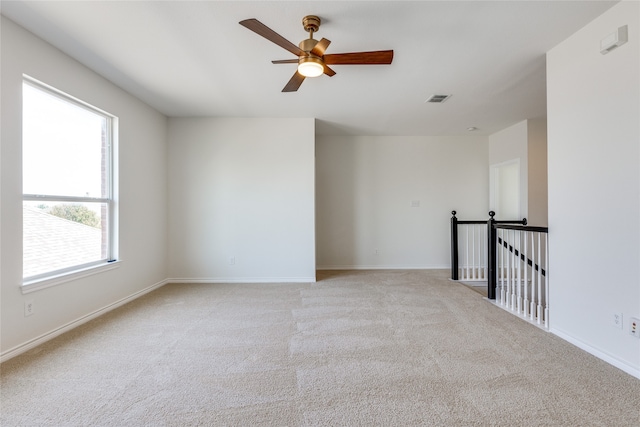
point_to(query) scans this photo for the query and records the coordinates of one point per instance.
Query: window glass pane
(64, 147)
(66, 166)
(59, 235)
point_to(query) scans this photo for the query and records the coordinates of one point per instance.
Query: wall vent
(437, 99)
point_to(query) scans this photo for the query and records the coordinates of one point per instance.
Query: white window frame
(110, 261)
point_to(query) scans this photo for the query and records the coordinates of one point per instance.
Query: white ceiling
(194, 59)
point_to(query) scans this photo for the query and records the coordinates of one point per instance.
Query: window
(67, 171)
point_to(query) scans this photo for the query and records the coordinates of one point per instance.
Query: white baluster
(473, 252)
(501, 271)
(508, 270)
(460, 245)
(519, 270)
(505, 271)
(525, 305)
(539, 311)
(478, 253)
(514, 267)
(512, 239)
(532, 308)
(546, 280)
(484, 253)
(466, 264)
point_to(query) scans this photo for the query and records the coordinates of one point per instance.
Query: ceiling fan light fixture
(310, 66)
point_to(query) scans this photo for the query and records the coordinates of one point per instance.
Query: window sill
(38, 284)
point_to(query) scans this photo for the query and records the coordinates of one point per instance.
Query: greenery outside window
(68, 186)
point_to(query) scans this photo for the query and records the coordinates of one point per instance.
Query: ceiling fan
(312, 62)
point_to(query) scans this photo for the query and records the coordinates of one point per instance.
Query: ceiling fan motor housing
(311, 23)
(308, 44)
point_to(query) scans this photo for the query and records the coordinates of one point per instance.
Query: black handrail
(524, 228)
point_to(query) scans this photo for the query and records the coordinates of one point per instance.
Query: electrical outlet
(617, 320)
(232, 260)
(28, 308)
(377, 252)
(634, 327)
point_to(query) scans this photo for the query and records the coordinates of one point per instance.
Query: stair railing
(521, 282)
(477, 258)
(515, 265)
(472, 236)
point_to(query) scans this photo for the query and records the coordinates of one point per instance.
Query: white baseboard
(631, 370)
(241, 280)
(22, 348)
(382, 267)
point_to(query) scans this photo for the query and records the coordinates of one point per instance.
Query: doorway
(504, 197)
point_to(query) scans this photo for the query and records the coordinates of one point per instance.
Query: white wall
(242, 189)
(142, 197)
(507, 145)
(537, 191)
(365, 186)
(525, 142)
(594, 187)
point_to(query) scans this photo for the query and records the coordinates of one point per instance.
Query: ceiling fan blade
(294, 83)
(266, 32)
(320, 47)
(360, 58)
(328, 71)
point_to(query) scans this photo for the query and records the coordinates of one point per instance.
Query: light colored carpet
(479, 287)
(358, 348)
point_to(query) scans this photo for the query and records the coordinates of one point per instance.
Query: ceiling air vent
(437, 99)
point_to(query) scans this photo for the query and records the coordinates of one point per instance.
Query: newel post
(454, 246)
(492, 278)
